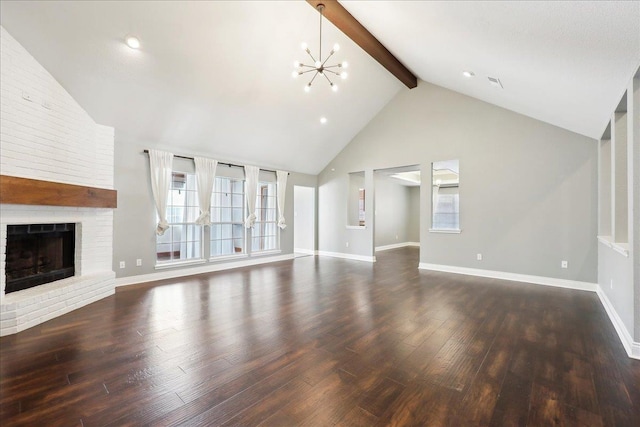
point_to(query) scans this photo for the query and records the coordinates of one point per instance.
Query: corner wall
(527, 188)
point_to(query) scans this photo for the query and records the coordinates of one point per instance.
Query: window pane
(163, 251)
(215, 248)
(227, 207)
(183, 239)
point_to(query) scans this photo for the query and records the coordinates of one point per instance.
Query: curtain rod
(220, 163)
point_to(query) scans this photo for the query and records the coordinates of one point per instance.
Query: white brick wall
(50, 137)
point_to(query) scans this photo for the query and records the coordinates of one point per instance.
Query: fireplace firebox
(38, 253)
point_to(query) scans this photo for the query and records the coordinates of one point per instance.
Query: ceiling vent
(495, 82)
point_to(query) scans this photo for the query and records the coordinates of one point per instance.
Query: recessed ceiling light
(132, 42)
(323, 120)
(468, 74)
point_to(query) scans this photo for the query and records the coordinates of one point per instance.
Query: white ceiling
(214, 78)
(211, 78)
(566, 63)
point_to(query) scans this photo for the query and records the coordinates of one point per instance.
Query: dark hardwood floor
(324, 342)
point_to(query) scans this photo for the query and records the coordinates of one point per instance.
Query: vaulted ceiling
(214, 78)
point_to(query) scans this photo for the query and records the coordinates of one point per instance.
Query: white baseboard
(348, 256)
(209, 268)
(632, 347)
(538, 280)
(305, 251)
(396, 245)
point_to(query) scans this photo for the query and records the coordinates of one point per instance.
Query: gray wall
(392, 212)
(134, 219)
(527, 188)
(413, 227)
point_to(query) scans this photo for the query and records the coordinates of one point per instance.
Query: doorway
(304, 222)
(397, 207)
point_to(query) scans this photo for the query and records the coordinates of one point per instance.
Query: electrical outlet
(347, 244)
(564, 264)
(122, 264)
(139, 262)
(479, 257)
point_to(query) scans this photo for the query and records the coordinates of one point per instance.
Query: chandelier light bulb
(345, 64)
(294, 74)
(344, 75)
(307, 88)
(318, 64)
(323, 120)
(296, 64)
(336, 47)
(334, 87)
(304, 46)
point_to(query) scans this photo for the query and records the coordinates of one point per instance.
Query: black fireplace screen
(38, 254)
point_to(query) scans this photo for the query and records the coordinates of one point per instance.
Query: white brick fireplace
(47, 136)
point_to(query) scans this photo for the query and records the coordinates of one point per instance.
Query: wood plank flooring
(323, 342)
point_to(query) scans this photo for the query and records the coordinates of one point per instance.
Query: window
(227, 216)
(446, 197)
(183, 240)
(265, 235)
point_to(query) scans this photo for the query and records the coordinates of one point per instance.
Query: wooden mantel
(25, 191)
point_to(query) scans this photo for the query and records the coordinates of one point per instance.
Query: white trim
(621, 248)
(266, 252)
(396, 245)
(538, 280)
(305, 251)
(445, 230)
(171, 274)
(356, 227)
(173, 264)
(348, 256)
(632, 348)
(228, 257)
(605, 240)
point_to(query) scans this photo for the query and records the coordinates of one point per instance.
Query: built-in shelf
(26, 191)
(605, 240)
(621, 248)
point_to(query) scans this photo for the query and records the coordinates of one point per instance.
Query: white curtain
(251, 177)
(281, 177)
(160, 164)
(205, 178)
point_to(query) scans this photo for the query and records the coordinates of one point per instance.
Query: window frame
(190, 210)
(262, 221)
(231, 222)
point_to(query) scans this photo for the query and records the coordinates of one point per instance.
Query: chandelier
(320, 67)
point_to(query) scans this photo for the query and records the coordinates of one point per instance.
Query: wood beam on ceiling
(345, 22)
